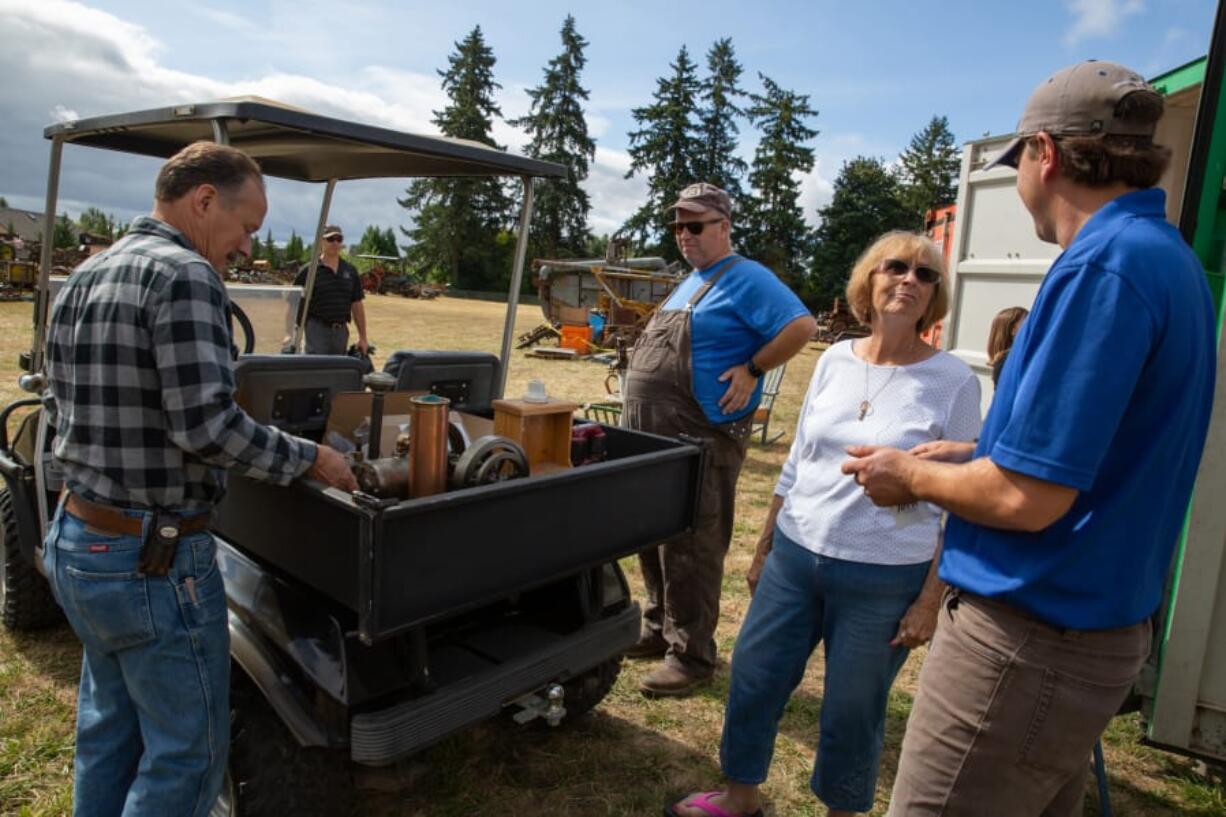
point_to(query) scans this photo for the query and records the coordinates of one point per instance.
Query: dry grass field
(627, 758)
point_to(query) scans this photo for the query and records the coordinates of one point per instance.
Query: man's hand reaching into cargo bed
(330, 468)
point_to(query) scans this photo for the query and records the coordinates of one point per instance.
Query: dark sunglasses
(334, 239)
(899, 268)
(693, 227)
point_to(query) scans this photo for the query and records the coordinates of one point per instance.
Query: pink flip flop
(702, 802)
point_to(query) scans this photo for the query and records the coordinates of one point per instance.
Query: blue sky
(875, 70)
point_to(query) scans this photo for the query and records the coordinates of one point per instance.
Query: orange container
(577, 337)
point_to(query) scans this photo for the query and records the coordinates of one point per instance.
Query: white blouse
(824, 510)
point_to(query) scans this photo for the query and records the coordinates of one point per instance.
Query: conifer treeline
(463, 229)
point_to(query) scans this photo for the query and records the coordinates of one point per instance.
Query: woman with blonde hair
(833, 568)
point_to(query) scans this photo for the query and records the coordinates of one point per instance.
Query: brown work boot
(650, 645)
(668, 680)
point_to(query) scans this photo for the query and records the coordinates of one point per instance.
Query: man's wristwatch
(753, 368)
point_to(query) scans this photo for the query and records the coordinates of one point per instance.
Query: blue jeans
(153, 714)
(854, 608)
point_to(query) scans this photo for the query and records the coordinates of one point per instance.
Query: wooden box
(542, 429)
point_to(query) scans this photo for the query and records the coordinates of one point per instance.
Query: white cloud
(614, 197)
(1098, 18)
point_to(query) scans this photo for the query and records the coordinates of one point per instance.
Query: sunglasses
(693, 227)
(334, 239)
(899, 268)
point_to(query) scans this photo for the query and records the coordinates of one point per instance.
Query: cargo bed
(399, 564)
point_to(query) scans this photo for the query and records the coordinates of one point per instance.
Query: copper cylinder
(428, 445)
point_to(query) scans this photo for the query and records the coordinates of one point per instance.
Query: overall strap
(727, 264)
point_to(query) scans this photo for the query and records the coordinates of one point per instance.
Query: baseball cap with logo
(1079, 100)
(703, 198)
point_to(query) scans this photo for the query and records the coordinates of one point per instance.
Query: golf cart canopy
(291, 143)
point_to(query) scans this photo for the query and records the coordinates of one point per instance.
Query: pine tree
(295, 249)
(716, 161)
(458, 220)
(94, 221)
(558, 131)
(929, 169)
(665, 147)
(270, 250)
(378, 242)
(64, 234)
(775, 232)
(867, 202)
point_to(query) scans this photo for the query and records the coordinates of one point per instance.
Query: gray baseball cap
(1079, 100)
(703, 198)
(332, 229)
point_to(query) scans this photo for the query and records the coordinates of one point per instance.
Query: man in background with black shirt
(336, 295)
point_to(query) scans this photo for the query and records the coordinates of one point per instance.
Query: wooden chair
(771, 382)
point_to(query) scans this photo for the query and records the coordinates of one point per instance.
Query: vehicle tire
(26, 602)
(272, 776)
(584, 691)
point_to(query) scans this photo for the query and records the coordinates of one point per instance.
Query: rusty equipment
(838, 323)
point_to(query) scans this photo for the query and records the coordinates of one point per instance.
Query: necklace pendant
(864, 409)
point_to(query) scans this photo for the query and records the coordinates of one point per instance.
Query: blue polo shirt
(1108, 390)
(743, 312)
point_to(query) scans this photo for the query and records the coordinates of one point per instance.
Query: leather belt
(114, 521)
(330, 324)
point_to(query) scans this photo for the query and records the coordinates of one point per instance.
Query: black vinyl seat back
(294, 392)
(467, 379)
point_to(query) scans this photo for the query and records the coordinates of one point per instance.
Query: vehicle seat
(294, 392)
(467, 379)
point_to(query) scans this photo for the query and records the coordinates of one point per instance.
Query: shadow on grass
(599, 764)
(54, 653)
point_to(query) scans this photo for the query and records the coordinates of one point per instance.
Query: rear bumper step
(379, 738)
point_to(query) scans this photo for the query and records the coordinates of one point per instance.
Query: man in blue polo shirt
(697, 370)
(1063, 524)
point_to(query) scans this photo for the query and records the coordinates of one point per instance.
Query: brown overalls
(683, 575)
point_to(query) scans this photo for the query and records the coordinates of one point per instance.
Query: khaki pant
(1008, 711)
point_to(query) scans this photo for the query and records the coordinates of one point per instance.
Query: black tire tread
(28, 602)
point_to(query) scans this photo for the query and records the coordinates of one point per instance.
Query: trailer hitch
(549, 707)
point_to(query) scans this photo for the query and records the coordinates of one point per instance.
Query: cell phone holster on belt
(161, 539)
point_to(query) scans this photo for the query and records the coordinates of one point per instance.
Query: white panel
(997, 224)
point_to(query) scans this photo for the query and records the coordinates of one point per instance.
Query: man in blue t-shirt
(697, 370)
(1063, 523)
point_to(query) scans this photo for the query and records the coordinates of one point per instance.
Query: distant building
(24, 224)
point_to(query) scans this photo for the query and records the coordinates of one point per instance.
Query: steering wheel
(237, 313)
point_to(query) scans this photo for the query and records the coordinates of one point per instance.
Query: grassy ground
(632, 754)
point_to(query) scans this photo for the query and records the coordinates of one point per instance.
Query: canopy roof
(291, 143)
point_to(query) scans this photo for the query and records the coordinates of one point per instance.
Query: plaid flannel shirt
(138, 359)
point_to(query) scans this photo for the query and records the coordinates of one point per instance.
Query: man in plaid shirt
(138, 359)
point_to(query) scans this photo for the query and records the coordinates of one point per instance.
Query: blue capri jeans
(854, 609)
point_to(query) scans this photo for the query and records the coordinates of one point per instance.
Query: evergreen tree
(716, 161)
(64, 235)
(665, 147)
(558, 131)
(929, 169)
(295, 249)
(257, 252)
(4, 202)
(94, 221)
(270, 250)
(867, 202)
(775, 232)
(378, 242)
(457, 220)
